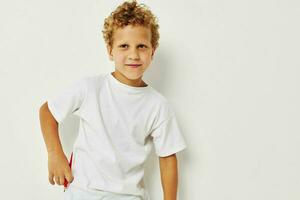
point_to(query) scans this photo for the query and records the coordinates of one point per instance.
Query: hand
(59, 169)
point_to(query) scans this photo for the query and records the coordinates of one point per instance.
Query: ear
(153, 51)
(109, 52)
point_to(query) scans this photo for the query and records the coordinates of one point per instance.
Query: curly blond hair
(130, 13)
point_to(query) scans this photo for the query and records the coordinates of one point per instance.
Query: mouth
(134, 65)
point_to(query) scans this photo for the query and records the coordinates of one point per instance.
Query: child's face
(131, 45)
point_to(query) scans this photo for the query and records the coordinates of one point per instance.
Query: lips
(134, 65)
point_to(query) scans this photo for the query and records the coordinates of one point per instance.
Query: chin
(132, 75)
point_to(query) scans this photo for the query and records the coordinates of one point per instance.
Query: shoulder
(156, 96)
(94, 78)
(93, 81)
(161, 105)
(159, 98)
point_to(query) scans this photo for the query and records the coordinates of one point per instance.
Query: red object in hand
(70, 164)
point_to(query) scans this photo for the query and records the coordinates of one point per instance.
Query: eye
(123, 45)
(142, 46)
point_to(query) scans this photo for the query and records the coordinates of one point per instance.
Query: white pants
(75, 193)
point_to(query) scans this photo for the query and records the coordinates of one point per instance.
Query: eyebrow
(128, 44)
(120, 44)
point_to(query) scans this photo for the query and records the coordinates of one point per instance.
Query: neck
(123, 79)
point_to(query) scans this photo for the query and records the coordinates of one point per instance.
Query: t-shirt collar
(124, 87)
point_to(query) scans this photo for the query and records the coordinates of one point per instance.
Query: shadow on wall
(159, 70)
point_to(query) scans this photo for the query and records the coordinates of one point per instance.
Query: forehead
(132, 34)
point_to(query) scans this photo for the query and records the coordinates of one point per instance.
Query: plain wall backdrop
(229, 68)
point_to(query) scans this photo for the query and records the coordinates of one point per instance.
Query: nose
(133, 54)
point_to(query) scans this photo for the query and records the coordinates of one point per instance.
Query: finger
(69, 177)
(61, 179)
(51, 179)
(56, 178)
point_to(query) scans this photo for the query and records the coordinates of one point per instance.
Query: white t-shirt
(118, 125)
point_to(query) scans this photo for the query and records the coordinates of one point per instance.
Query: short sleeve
(167, 137)
(68, 101)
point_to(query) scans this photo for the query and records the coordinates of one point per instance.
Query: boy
(120, 117)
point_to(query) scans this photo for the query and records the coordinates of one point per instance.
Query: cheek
(146, 57)
(120, 58)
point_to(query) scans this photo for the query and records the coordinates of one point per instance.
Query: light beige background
(229, 68)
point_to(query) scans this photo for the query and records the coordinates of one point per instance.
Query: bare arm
(169, 176)
(49, 128)
(58, 165)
